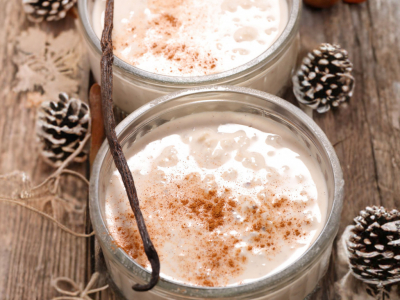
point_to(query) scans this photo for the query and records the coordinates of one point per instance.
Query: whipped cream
(227, 198)
(192, 37)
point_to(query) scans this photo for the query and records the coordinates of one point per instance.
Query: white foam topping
(192, 37)
(227, 198)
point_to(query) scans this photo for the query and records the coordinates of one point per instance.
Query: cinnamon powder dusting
(204, 217)
(225, 202)
(163, 31)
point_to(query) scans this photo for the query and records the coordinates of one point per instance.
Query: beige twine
(78, 293)
(55, 180)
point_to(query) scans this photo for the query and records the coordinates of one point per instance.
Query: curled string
(52, 184)
(52, 219)
(77, 293)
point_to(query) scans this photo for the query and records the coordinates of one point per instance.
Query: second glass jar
(133, 87)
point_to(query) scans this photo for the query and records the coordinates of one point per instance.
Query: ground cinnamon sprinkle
(205, 205)
(164, 32)
(191, 201)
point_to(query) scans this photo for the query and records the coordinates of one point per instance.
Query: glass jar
(291, 283)
(133, 87)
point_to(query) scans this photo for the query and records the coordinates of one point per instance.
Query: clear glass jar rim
(269, 55)
(266, 283)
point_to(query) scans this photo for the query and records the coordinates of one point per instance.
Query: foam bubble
(245, 34)
(241, 51)
(271, 30)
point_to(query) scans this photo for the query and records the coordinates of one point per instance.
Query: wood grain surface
(364, 132)
(32, 249)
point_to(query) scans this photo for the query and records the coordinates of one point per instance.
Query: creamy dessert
(192, 37)
(228, 198)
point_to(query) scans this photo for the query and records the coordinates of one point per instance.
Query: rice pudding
(192, 37)
(228, 198)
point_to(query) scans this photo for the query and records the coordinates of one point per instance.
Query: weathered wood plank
(32, 249)
(365, 133)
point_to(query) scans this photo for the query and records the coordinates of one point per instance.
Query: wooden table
(365, 134)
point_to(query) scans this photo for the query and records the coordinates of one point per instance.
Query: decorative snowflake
(49, 64)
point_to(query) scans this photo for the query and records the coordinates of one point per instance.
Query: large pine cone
(49, 10)
(324, 79)
(374, 248)
(62, 126)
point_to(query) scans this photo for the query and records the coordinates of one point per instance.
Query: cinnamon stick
(98, 134)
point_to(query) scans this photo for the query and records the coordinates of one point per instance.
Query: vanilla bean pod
(116, 149)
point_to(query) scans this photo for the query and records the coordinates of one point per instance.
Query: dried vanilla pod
(374, 249)
(61, 127)
(321, 3)
(354, 1)
(47, 10)
(106, 64)
(324, 79)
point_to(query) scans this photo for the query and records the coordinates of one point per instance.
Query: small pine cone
(374, 249)
(49, 10)
(61, 127)
(324, 78)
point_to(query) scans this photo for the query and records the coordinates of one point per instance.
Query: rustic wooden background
(365, 134)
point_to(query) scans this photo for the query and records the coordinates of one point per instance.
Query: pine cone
(375, 249)
(49, 10)
(324, 78)
(61, 126)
